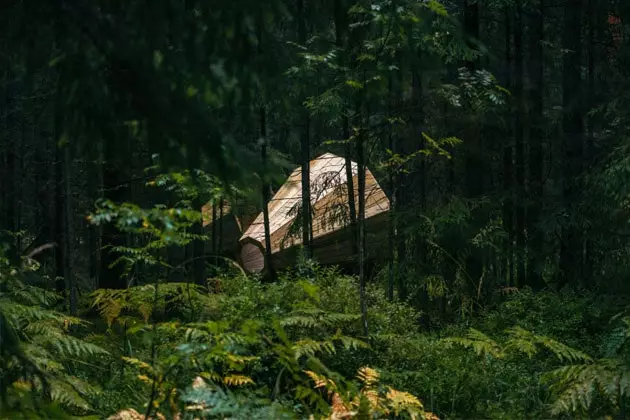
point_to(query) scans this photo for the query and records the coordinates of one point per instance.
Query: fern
(370, 401)
(135, 305)
(521, 340)
(237, 380)
(477, 341)
(40, 348)
(215, 403)
(577, 385)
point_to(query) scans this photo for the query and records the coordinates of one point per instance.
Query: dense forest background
(498, 129)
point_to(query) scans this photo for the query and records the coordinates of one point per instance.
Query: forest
(315, 209)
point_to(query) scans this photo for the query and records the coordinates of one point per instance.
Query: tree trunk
(266, 189)
(536, 133)
(519, 109)
(10, 182)
(60, 237)
(350, 181)
(391, 260)
(214, 227)
(341, 40)
(571, 243)
(306, 190)
(220, 227)
(305, 152)
(594, 14)
(198, 245)
(474, 164)
(508, 203)
(69, 246)
(361, 227)
(95, 188)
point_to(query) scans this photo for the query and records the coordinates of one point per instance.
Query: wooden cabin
(231, 221)
(331, 232)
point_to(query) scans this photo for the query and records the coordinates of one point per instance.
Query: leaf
(237, 380)
(436, 7)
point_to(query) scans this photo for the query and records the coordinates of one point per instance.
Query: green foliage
(38, 350)
(584, 387)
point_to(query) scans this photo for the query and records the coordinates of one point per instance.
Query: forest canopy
(141, 141)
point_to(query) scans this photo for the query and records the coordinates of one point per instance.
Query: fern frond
(368, 377)
(477, 341)
(212, 376)
(138, 363)
(561, 351)
(68, 346)
(237, 380)
(400, 401)
(577, 385)
(41, 358)
(300, 321)
(351, 343)
(63, 393)
(310, 347)
(575, 396)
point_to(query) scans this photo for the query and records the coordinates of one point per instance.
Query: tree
(571, 258)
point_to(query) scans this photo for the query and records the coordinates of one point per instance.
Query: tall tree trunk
(417, 178)
(214, 227)
(391, 260)
(508, 203)
(11, 181)
(60, 237)
(474, 163)
(341, 40)
(305, 152)
(198, 245)
(350, 181)
(400, 196)
(306, 189)
(69, 246)
(519, 109)
(266, 189)
(571, 244)
(361, 226)
(61, 234)
(594, 13)
(220, 227)
(474, 174)
(95, 188)
(536, 133)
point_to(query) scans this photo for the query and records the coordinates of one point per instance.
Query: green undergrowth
(238, 347)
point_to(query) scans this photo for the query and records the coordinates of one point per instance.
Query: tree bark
(95, 188)
(266, 190)
(341, 40)
(305, 152)
(350, 182)
(69, 246)
(519, 146)
(572, 127)
(391, 260)
(361, 227)
(474, 165)
(60, 237)
(536, 133)
(306, 190)
(214, 227)
(508, 203)
(594, 13)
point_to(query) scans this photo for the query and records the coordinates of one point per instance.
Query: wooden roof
(329, 201)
